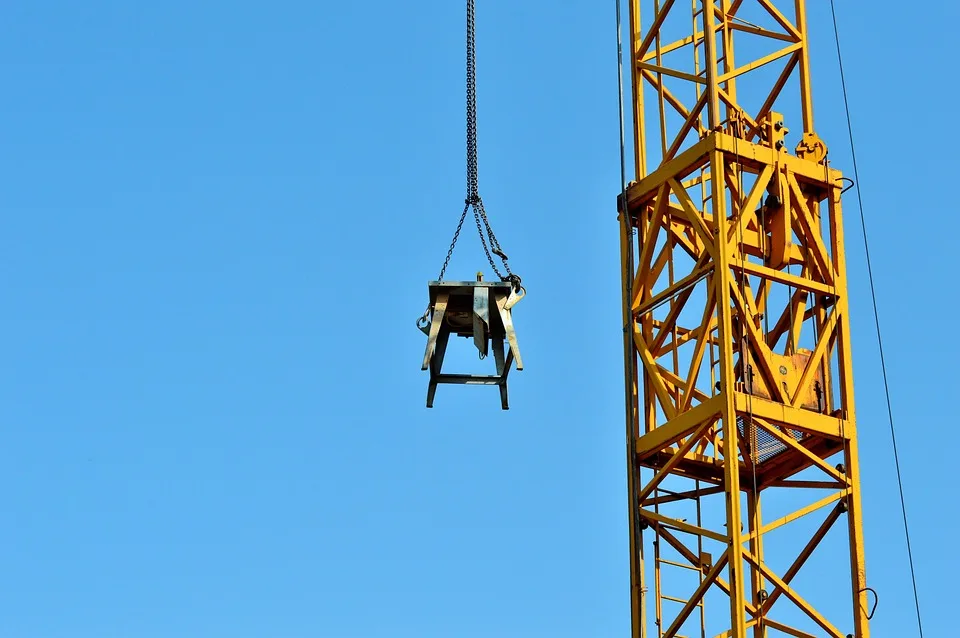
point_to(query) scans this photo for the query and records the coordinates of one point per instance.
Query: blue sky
(218, 223)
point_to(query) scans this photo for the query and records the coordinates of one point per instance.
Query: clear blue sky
(218, 220)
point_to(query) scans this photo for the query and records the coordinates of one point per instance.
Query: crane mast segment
(737, 354)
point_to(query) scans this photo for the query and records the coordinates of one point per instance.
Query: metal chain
(456, 235)
(478, 213)
(473, 184)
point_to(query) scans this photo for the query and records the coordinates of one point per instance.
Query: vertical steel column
(722, 281)
(848, 414)
(710, 44)
(806, 97)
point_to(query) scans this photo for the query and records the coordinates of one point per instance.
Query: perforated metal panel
(767, 445)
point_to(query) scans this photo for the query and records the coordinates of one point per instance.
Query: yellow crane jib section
(737, 353)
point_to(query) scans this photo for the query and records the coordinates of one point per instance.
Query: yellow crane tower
(739, 383)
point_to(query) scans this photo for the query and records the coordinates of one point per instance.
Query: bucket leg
(439, 309)
(435, 364)
(505, 316)
(501, 371)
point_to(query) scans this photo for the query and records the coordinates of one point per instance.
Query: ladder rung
(660, 490)
(679, 600)
(704, 72)
(670, 562)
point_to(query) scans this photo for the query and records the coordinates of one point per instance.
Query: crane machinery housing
(739, 383)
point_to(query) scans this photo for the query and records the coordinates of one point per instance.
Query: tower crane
(739, 379)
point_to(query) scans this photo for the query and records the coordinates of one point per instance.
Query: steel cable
(876, 316)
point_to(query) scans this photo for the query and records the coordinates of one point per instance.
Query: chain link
(473, 165)
(488, 240)
(456, 236)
